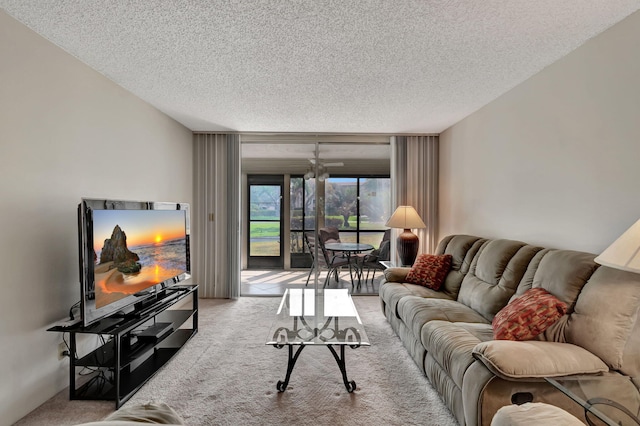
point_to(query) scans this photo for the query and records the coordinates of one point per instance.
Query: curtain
(415, 183)
(215, 237)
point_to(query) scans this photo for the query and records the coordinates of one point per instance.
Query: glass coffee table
(328, 318)
(591, 393)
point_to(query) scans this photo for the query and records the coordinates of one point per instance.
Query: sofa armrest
(156, 413)
(396, 274)
(533, 414)
(529, 359)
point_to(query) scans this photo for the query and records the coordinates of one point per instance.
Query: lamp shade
(405, 217)
(624, 253)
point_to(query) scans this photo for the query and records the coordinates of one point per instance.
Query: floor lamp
(623, 253)
(407, 218)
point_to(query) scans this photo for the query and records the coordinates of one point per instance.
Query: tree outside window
(341, 202)
(358, 206)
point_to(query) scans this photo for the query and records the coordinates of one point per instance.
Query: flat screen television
(129, 251)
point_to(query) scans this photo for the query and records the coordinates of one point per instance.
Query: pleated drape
(415, 183)
(216, 215)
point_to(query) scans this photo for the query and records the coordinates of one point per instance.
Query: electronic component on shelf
(67, 323)
(155, 331)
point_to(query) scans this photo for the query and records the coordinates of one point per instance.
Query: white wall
(555, 161)
(66, 132)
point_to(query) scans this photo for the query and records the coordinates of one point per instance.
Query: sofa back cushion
(605, 319)
(563, 273)
(494, 275)
(462, 248)
(527, 280)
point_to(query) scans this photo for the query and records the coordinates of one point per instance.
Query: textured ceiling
(385, 66)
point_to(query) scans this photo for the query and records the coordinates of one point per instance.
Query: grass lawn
(265, 248)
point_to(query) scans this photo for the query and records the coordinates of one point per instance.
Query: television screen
(128, 251)
(136, 249)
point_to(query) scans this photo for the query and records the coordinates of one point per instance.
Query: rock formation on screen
(115, 250)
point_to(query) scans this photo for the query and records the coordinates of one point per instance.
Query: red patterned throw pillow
(528, 315)
(429, 270)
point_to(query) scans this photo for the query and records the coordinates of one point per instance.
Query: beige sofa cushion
(391, 293)
(397, 274)
(608, 308)
(125, 423)
(462, 248)
(510, 359)
(154, 413)
(415, 312)
(494, 275)
(562, 273)
(534, 414)
(451, 345)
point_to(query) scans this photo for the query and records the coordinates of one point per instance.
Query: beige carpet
(226, 375)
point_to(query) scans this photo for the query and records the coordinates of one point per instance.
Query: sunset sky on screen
(140, 226)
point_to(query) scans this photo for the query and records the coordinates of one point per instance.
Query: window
(358, 207)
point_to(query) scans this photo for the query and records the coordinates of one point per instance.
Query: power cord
(66, 344)
(75, 305)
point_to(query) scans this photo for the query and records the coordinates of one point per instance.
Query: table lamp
(407, 218)
(623, 253)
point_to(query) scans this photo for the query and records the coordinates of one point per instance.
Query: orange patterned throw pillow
(528, 315)
(429, 270)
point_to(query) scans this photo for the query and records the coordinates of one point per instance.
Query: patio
(274, 282)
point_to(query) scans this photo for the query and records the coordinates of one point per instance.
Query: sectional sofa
(449, 334)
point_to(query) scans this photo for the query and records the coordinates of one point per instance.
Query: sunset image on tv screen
(136, 249)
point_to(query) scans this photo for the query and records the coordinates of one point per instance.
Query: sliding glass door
(302, 216)
(296, 185)
(265, 222)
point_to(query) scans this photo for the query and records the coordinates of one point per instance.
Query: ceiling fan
(322, 169)
(322, 164)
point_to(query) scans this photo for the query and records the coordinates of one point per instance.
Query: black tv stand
(135, 349)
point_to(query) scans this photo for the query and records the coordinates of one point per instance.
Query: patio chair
(372, 260)
(310, 242)
(329, 234)
(324, 260)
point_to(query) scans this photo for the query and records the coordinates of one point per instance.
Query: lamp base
(407, 245)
